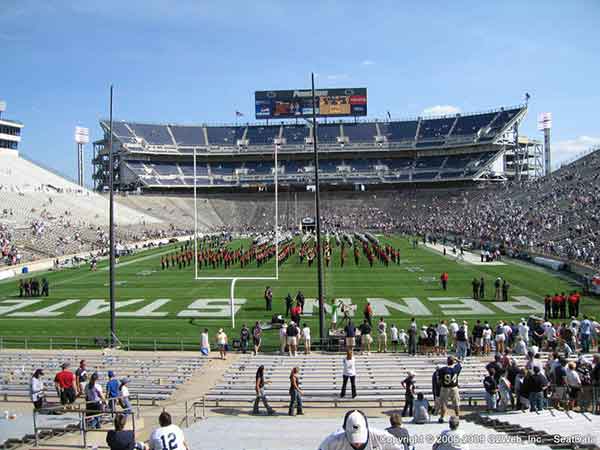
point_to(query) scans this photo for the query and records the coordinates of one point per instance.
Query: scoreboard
(291, 104)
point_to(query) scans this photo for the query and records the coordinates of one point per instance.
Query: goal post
(235, 279)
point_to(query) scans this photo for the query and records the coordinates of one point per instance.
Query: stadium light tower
(545, 125)
(2, 107)
(318, 216)
(82, 137)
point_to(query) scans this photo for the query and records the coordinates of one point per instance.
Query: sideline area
(468, 257)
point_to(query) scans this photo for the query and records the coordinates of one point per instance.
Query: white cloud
(570, 148)
(338, 76)
(441, 110)
(368, 62)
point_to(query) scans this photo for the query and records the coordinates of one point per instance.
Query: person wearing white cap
(357, 435)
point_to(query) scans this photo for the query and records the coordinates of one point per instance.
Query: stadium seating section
(152, 377)
(370, 171)
(431, 131)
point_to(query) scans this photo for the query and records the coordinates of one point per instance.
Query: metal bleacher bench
(379, 379)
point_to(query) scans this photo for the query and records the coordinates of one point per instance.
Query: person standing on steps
(449, 393)
(295, 394)
(349, 373)
(260, 392)
(244, 339)
(382, 336)
(409, 395)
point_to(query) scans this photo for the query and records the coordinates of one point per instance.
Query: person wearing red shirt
(572, 299)
(563, 306)
(577, 296)
(65, 385)
(295, 313)
(555, 305)
(444, 280)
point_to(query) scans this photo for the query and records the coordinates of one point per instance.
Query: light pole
(318, 216)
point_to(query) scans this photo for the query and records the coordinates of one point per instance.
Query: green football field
(172, 306)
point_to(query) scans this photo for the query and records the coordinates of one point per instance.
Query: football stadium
(317, 273)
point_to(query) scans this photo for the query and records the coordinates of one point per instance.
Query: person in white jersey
(168, 436)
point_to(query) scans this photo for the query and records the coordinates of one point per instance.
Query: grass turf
(140, 277)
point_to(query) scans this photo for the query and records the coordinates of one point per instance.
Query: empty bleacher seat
(502, 120)
(436, 128)
(164, 169)
(471, 124)
(152, 377)
(260, 167)
(224, 135)
(327, 133)
(224, 168)
(152, 134)
(379, 378)
(259, 135)
(188, 169)
(429, 162)
(360, 132)
(121, 131)
(295, 134)
(399, 131)
(192, 136)
(422, 176)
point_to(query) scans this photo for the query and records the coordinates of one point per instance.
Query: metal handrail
(83, 419)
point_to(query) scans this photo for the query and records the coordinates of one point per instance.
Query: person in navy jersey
(448, 379)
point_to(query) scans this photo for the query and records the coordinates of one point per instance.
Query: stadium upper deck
(436, 149)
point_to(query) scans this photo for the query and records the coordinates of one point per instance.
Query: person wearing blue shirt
(448, 380)
(585, 330)
(112, 391)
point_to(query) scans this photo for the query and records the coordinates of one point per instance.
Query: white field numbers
(234, 279)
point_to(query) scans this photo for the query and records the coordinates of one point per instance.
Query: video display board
(291, 104)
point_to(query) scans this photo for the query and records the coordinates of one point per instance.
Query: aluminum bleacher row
(378, 378)
(152, 378)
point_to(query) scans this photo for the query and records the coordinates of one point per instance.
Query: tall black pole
(318, 216)
(111, 230)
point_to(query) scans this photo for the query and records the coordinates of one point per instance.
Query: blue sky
(194, 61)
